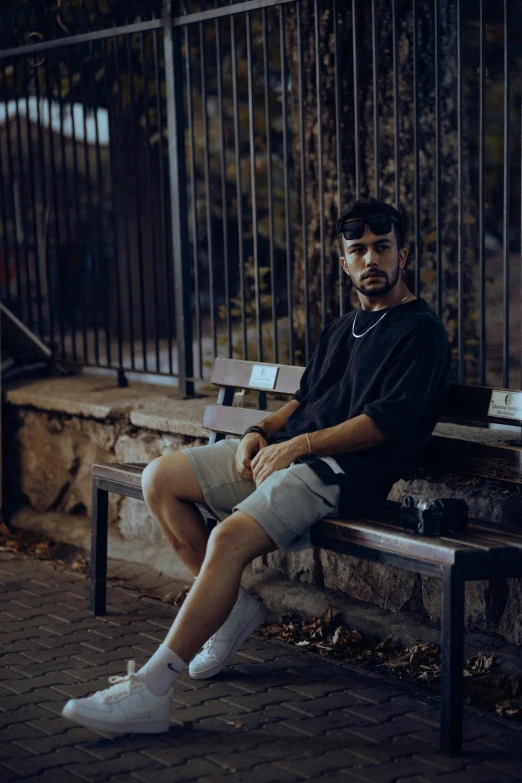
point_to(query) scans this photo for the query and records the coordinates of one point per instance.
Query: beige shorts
(286, 504)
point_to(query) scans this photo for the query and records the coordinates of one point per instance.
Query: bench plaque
(264, 376)
(506, 405)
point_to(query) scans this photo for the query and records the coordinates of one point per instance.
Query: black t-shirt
(397, 373)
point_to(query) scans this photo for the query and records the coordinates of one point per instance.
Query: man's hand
(249, 446)
(271, 458)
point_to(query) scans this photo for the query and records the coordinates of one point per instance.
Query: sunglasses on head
(378, 225)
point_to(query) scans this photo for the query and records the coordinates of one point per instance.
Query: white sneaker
(128, 706)
(245, 617)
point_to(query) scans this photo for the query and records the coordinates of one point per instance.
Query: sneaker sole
(136, 727)
(254, 622)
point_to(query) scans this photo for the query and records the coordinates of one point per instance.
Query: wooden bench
(483, 551)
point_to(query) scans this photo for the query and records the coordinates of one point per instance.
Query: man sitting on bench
(366, 407)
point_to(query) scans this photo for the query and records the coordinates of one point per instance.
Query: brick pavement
(277, 715)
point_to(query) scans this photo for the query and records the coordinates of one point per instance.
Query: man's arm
(276, 421)
(356, 434)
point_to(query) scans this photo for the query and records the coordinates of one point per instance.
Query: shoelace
(209, 643)
(121, 684)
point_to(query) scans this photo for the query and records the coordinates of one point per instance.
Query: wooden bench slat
(483, 460)
(381, 536)
(232, 421)
(236, 372)
(125, 473)
(472, 402)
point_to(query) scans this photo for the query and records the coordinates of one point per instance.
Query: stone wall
(56, 429)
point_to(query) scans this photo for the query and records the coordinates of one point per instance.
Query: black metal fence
(169, 187)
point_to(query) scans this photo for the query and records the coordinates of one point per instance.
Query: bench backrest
(464, 404)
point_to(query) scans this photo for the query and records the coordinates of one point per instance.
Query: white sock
(241, 593)
(161, 670)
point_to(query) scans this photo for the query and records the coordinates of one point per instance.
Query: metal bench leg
(99, 533)
(452, 691)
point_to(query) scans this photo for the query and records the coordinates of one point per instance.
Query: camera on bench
(434, 517)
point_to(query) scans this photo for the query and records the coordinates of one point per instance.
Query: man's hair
(369, 207)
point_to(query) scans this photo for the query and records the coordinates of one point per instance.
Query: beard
(386, 285)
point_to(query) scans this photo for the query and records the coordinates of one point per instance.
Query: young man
(366, 407)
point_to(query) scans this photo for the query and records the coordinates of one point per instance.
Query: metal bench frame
(479, 554)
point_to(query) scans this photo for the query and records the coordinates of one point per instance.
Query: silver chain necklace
(375, 324)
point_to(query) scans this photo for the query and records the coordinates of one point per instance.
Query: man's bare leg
(170, 490)
(232, 545)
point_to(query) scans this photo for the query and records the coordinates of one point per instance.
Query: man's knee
(158, 479)
(170, 476)
(240, 536)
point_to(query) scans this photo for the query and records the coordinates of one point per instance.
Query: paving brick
(315, 707)
(319, 764)
(240, 761)
(317, 726)
(26, 684)
(380, 732)
(257, 701)
(37, 764)
(53, 776)
(192, 770)
(17, 701)
(43, 744)
(101, 770)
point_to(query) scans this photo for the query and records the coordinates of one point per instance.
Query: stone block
(300, 566)
(510, 626)
(382, 585)
(44, 469)
(144, 446)
(476, 602)
(136, 523)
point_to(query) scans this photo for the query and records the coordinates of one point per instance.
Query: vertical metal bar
(125, 188)
(396, 137)
(452, 645)
(116, 255)
(320, 167)
(44, 195)
(137, 202)
(152, 212)
(65, 302)
(482, 195)
(207, 187)
(222, 159)
(14, 211)
(193, 198)
(178, 201)
(375, 53)
(286, 186)
(99, 535)
(357, 151)
(239, 193)
(102, 261)
(338, 145)
(163, 202)
(259, 324)
(506, 191)
(416, 173)
(460, 193)
(76, 188)
(438, 227)
(92, 246)
(22, 204)
(303, 185)
(36, 249)
(56, 211)
(5, 240)
(266, 66)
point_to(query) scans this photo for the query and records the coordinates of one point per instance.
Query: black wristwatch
(254, 428)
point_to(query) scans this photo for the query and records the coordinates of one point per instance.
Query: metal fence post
(178, 198)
